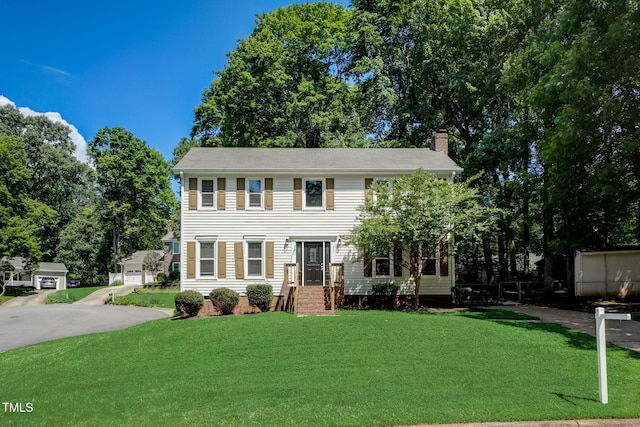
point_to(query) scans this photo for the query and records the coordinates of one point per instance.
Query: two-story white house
(248, 212)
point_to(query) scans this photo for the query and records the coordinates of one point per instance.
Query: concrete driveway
(20, 326)
(29, 299)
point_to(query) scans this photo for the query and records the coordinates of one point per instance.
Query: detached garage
(50, 274)
(613, 273)
(133, 271)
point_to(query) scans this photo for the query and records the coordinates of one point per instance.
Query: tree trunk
(115, 246)
(415, 269)
(488, 259)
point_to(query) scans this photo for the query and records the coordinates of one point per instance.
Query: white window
(383, 182)
(254, 195)
(255, 259)
(314, 193)
(174, 247)
(207, 258)
(175, 266)
(207, 193)
(382, 266)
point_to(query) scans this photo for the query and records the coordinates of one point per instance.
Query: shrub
(174, 275)
(117, 283)
(60, 297)
(260, 295)
(224, 300)
(162, 278)
(131, 299)
(383, 295)
(189, 302)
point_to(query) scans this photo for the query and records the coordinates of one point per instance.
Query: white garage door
(133, 277)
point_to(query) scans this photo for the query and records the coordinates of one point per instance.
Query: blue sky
(141, 65)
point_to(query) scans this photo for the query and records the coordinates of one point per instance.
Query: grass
(360, 368)
(14, 291)
(70, 295)
(148, 298)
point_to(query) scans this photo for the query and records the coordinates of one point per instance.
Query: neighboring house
(171, 255)
(51, 275)
(248, 212)
(133, 271)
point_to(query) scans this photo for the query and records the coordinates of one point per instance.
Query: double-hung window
(207, 258)
(314, 193)
(174, 247)
(255, 259)
(254, 195)
(207, 193)
(382, 265)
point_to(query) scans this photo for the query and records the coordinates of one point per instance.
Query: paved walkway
(623, 333)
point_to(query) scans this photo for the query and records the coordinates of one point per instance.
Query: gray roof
(169, 237)
(296, 160)
(18, 263)
(138, 257)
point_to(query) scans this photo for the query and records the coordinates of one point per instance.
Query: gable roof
(138, 257)
(19, 263)
(310, 160)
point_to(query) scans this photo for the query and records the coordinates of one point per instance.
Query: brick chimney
(440, 141)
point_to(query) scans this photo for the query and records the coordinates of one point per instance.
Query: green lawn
(359, 368)
(70, 295)
(148, 298)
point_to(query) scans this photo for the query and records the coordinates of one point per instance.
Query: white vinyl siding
(285, 226)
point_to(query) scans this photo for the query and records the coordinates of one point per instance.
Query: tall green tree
(423, 65)
(84, 246)
(285, 85)
(135, 195)
(419, 213)
(56, 177)
(580, 78)
(21, 217)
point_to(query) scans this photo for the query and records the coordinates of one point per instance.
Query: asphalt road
(20, 326)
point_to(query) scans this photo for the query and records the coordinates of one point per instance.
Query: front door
(313, 263)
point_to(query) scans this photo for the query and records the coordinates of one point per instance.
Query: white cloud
(81, 144)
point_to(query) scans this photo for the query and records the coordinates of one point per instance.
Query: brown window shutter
(297, 194)
(240, 196)
(222, 260)
(444, 259)
(222, 184)
(368, 266)
(239, 259)
(330, 193)
(397, 261)
(269, 249)
(191, 260)
(368, 191)
(193, 194)
(268, 194)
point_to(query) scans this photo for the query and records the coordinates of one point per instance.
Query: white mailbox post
(601, 342)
